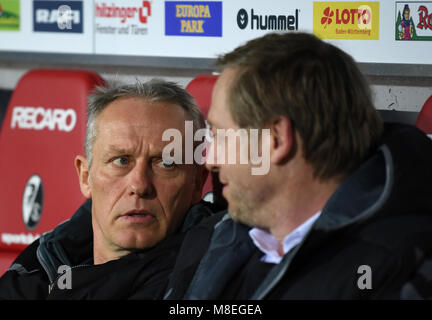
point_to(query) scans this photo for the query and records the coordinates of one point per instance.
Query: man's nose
(141, 182)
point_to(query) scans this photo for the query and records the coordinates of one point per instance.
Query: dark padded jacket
(378, 224)
(140, 275)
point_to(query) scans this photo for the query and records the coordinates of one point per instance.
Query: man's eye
(161, 164)
(166, 165)
(121, 161)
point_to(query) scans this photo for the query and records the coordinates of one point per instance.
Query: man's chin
(245, 216)
(138, 243)
(238, 216)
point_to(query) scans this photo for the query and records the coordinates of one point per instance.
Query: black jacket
(377, 224)
(140, 275)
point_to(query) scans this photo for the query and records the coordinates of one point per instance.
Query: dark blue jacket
(379, 217)
(139, 275)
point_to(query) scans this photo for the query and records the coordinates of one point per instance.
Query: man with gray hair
(122, 243)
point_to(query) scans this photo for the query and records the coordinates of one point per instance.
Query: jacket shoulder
(26, 278)
(139, 275)
(194, 247)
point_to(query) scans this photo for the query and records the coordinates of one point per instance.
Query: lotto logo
(346, 20)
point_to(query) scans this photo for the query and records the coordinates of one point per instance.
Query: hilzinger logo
(270, 22)
(32, 202)
(106, 11)
(124, 21)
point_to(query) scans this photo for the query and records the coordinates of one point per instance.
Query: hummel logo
(242, 18)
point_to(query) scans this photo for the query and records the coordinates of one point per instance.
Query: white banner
(372, 31)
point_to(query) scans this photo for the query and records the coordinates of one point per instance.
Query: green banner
(10, 15)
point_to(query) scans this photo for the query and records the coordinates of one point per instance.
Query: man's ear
(282, 140)
(81, 165)
(200, 179)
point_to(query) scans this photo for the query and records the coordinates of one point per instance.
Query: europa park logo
(346, 20)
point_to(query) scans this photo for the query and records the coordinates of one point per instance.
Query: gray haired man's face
(137, 199)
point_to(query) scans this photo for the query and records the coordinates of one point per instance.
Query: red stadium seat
(424, 119)
(43, 130)
(4, 101)
(201, 88)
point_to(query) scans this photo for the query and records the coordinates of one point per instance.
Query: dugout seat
(201, 88)
(42, 132)
(4, 101)
(424, 119)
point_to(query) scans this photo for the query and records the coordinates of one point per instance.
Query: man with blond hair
(345, 210)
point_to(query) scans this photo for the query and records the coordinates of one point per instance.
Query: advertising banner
(413, 21)
(10, 15)
(381, 31)
(346, 20)
(189, 18)
(58, 16)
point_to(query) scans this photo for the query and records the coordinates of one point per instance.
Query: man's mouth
(138, 216)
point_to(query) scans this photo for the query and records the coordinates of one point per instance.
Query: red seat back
(424, 119)
(201, 88)
(43, 131)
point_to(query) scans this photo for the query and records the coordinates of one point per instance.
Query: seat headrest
(42, 132)
(424, 119)
(201, 88)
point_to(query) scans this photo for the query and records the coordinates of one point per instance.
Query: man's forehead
(219, 104)
(139, 113)
(151, 131)
(129, 127)
(122, 144)
(141, 105)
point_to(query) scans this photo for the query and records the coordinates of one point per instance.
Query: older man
(139, 203)
(345, 209)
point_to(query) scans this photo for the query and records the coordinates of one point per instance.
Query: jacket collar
(71, 242)
(396, 179)
(387, 183)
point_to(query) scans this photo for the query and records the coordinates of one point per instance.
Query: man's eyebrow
(112, 149)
